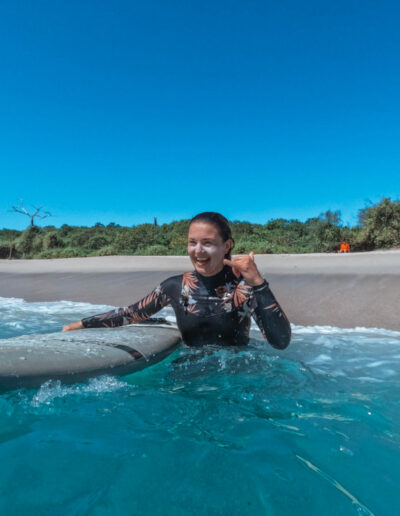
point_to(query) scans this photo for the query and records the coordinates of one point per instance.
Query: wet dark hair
(220, 222)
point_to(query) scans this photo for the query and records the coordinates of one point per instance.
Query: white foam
(331, 330)
(52, 390)
(47, 307)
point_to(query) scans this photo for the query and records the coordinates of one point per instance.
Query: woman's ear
(228, 245)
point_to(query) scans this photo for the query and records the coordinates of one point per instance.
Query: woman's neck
(216, 279)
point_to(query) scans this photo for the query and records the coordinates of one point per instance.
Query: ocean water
(312, 430)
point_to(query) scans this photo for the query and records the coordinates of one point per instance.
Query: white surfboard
(75, 356)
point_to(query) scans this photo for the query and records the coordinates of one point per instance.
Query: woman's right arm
(137, 312)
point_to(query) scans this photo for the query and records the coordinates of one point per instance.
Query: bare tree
(37, 214)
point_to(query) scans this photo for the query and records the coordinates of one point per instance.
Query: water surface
(312, 430)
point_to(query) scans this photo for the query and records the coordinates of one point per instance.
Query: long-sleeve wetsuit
(209, 310)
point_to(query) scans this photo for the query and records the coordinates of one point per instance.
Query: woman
(213, 303)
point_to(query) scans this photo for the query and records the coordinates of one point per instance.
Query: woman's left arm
(267, 313)
(270, 317)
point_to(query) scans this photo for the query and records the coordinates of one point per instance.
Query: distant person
(214, 303)
(344, 247)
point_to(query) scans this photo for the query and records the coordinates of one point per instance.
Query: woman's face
(206, 248)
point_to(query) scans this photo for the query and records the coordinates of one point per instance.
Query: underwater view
(311, 430)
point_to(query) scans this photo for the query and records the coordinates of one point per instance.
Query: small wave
(334, 330)
(9, 304)
(52, 390)
(20, 317)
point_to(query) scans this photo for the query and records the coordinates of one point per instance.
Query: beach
(344, 290)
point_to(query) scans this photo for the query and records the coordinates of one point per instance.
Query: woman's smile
(202, 263)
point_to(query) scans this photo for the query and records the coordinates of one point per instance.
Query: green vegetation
(379, 227)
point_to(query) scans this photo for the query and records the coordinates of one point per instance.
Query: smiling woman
(215, 302)
(206, 248)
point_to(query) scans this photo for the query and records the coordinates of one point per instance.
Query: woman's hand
(73, 326)
(245, 266)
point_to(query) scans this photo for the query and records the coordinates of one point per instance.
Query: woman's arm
(267, 313)
(270, 317)
(137, 312)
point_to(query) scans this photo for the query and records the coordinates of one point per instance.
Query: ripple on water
(309, 430)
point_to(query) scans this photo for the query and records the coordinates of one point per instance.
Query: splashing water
(311, 430)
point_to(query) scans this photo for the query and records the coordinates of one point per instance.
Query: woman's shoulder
(175, 285)
(172, 281)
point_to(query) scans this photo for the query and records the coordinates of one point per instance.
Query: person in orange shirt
(344, 247)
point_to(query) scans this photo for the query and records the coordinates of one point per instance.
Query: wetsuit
(209, 310)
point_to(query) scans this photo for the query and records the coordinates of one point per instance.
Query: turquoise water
(313, 430)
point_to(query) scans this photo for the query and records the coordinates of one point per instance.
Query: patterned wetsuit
(209, 310)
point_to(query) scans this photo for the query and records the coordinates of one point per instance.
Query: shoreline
(373, 262)
(344, 290)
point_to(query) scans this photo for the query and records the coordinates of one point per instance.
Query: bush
(178, 251)
(241, 247)
(380, 225)
(80, 237)
(6, 250)
(108, 250)
(71, 252)
(156, 250)
(46, 254)
(97, 242)
(29, 241)
(52, 240)
(178, 242)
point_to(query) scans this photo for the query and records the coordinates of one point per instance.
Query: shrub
(180, 250)
(29, 241)
(71, 252)
(52, 240)
(380, 225)
(7, 250)
(156, 250)
(260, 247)
(108, 250)
(80, 237)
(97, 242)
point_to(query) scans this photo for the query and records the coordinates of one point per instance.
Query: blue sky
(120, 111)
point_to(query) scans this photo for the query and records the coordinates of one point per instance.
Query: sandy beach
(345, 290)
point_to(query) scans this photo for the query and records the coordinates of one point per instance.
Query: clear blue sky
(119, 111)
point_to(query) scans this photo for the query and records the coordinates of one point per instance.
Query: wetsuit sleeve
(270, 317)
(135, 313)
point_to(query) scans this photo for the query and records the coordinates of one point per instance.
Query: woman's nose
(199, 248)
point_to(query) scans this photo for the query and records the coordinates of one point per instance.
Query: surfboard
(75, 356)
